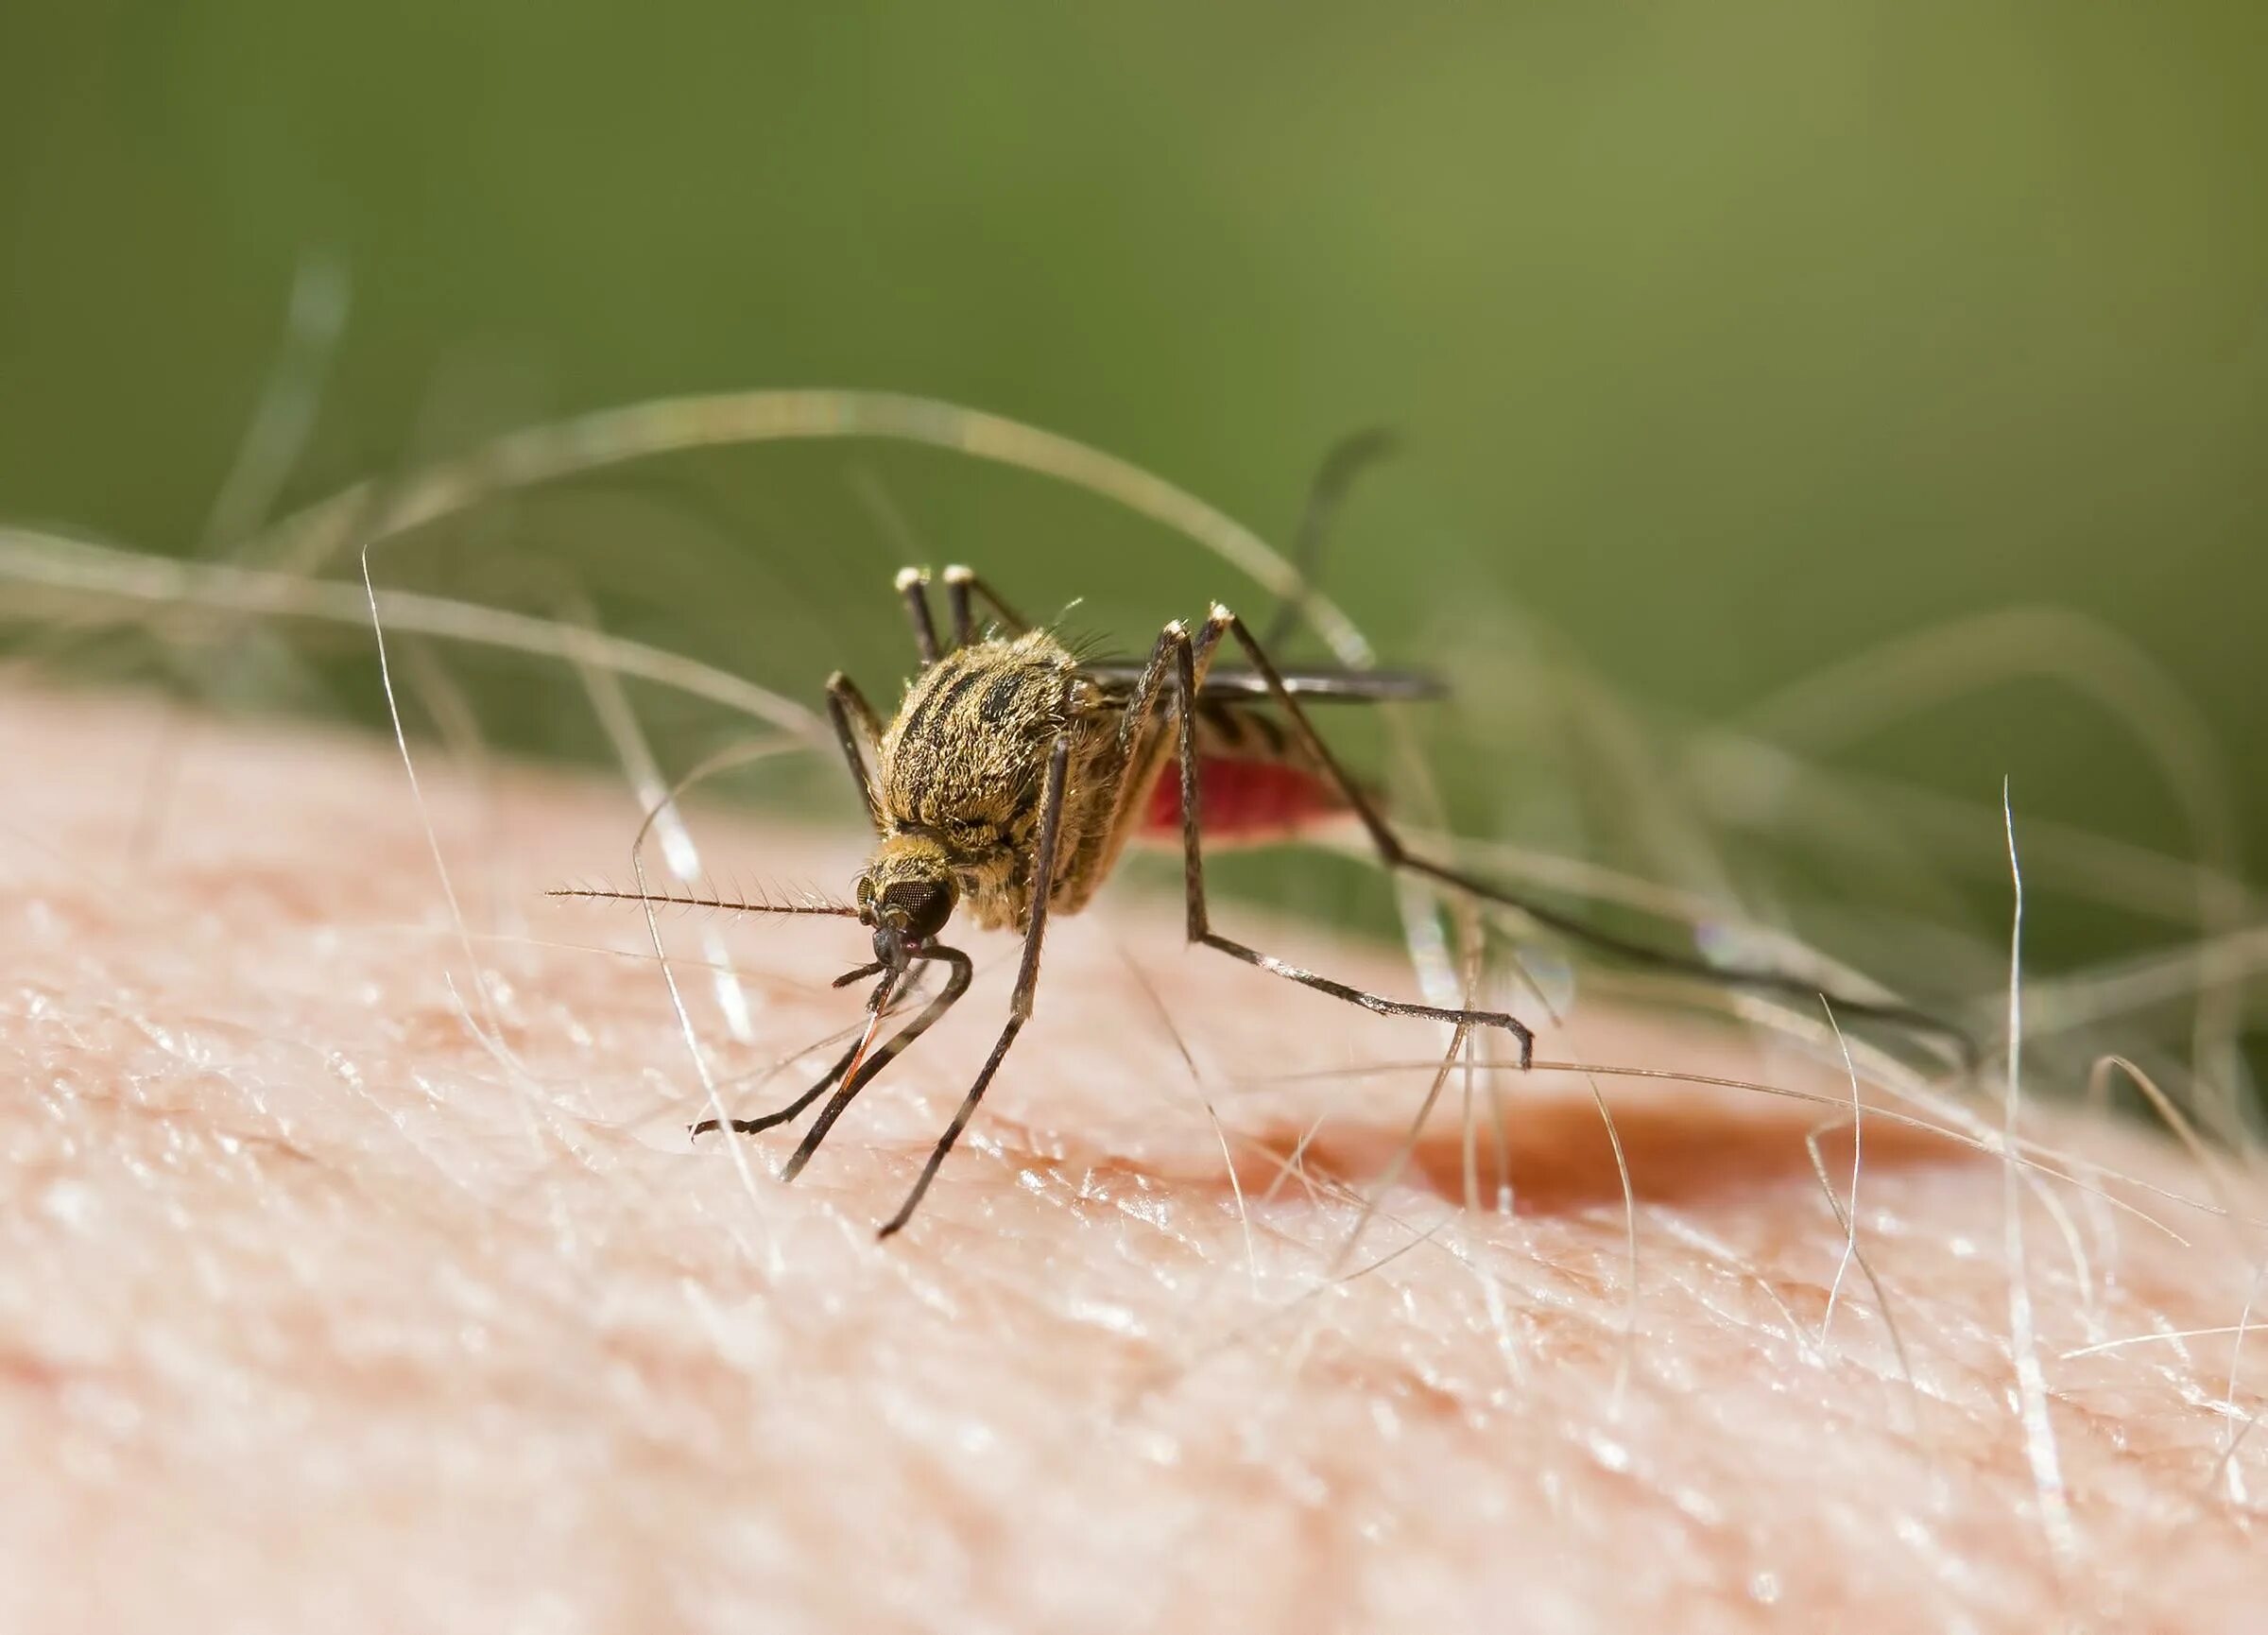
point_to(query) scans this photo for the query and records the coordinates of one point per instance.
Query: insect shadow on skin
(1015, 774)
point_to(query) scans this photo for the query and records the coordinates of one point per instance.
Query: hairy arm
(360, 1275)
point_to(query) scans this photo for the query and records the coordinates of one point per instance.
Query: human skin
(345, 1290)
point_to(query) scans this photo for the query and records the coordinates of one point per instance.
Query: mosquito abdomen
(1244, 801)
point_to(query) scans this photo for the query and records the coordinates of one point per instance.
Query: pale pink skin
(319, 1314)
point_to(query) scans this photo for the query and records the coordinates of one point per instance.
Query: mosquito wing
(1223, 685)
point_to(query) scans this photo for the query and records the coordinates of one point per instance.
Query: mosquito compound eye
(917, 907)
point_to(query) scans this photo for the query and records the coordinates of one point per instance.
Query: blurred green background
(1726, 339)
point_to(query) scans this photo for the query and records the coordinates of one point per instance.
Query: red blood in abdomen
(1242, 800)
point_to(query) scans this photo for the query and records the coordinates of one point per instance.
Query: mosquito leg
(1396, 855)
(913, 584)
(1137, 748)
(859, 732)
(751, 1126)
(963, 588)
(956, 983)
(1346, 459)
(1027, 977)
(1185, 655)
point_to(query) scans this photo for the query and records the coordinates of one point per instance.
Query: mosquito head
(906, 894)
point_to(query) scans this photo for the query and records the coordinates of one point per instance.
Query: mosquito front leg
(859, 732)
(956, 983)
(1027, 975)
(753, 1126)
(962, 589)
(1184, 660)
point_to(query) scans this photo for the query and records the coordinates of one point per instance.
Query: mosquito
(1015, 774)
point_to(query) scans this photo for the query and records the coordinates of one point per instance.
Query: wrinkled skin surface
(321, 1312)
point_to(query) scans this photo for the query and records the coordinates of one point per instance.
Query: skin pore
(361, 1276)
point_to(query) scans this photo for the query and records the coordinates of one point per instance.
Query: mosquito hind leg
(963, 590)
(1177, 650)
(1396, 855)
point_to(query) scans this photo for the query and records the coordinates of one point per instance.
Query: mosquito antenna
(1341, 466)
(686, 900)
